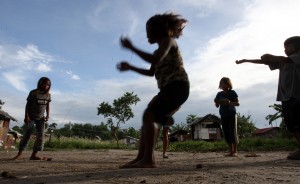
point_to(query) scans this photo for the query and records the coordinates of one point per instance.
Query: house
(130, 140)
(178, 135)
(267, 132)
(5, 139)
(206, 128)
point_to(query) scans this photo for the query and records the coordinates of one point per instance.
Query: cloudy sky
(76, 44)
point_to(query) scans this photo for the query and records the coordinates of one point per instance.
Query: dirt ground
(101, 166)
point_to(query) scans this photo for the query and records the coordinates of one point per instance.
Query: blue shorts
(169, 99)
(291, 114)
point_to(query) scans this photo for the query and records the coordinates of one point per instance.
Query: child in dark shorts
(172, 80)
(226, 100)
(288, 86)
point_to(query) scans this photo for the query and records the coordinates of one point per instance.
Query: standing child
(227, 99)
(38, 102)
(172, 80)
(288, 91)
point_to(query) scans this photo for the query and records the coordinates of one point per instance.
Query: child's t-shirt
(289, 78)
(37, 103)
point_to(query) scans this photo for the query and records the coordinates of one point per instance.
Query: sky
(76, 44)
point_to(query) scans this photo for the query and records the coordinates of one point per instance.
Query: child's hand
(266, 57)
(125, 42)
(224, 102)
(240, 61)
(123, 66)
(46, 118)
(27, 120)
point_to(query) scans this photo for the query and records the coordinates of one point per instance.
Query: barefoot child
(167, 67)
(38, 102)
(288, 91)
(227, 99)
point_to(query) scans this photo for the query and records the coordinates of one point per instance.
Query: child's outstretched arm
(265, 59)
(255, 61)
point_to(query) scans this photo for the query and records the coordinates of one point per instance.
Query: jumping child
(172, 80)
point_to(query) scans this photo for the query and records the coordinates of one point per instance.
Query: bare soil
(101, 166)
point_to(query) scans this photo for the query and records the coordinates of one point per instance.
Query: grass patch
(249, 144)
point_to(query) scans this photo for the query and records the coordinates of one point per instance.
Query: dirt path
(101, 166)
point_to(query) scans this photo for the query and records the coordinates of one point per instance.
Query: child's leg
(150, 136)
(140, 154)
(39, 141)
(165, 141)
(234, 149)
(24, 141)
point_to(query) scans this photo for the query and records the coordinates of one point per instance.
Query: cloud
(20, 62)
(218, 33)
(73, 76)
(16, 79)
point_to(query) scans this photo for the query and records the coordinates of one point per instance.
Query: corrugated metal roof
(5, 115)
(264, 130)
(199, 120)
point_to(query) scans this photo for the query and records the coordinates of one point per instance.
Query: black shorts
(291, 114)
(229, 126)
(169, 99)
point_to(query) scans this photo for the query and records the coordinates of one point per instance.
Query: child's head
(225, 84)
(164, 25)
(292, 45)
(44, 84)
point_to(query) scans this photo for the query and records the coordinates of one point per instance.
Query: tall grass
(80, 143)
(250, 144)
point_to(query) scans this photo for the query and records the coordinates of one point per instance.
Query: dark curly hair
(167, 24)
(227, 81)
(294, 40)
(41, 81)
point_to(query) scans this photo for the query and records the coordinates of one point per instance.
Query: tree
(51, 129)
(245, 126)
(191, 118)
(18, 129)
(1, 103)
(277, 115)
(132, 132)
(119, 112)
(180, 127)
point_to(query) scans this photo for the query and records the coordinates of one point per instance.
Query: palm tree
(277, 115)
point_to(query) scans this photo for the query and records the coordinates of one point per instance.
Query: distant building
(6, 140)
(206, 128)
(178, 136)
(130, 140)
(270, 132)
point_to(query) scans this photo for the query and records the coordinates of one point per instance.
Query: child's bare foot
(16, 157)
(231, 155)
(129, 164)
(234, 154)
(143, 164)
(40, 158)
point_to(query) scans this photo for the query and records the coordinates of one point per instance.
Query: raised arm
(126, 43)
(164, 47)
(124, 66)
